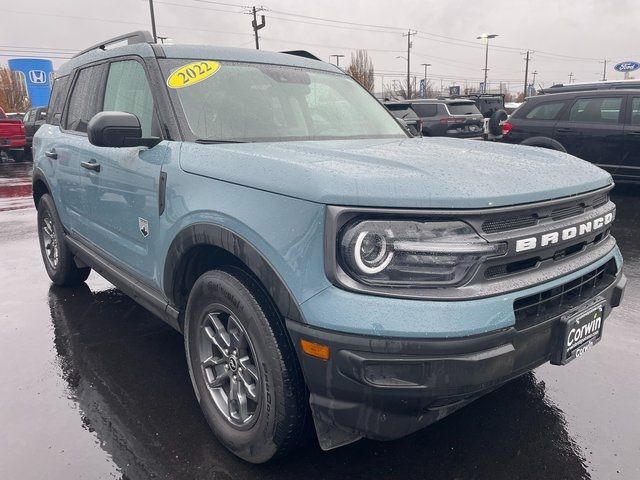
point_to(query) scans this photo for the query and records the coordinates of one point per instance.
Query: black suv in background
(442, 117)
(600, 126)
(33, 120)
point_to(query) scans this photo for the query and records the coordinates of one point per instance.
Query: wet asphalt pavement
(92, 386)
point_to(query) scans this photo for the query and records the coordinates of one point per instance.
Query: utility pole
(257, 26)
(409, 45)
(604, 70)
(338, 57)
(571, 77)
(526, 74)
(153, 21)
(425, 65)
(535, 72)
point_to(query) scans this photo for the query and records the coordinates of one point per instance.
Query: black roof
(590, 86)
(581, 93)
(446, 100)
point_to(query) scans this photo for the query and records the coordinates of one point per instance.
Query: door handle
(564, 130)
(635, 134)
(92, 165)
(51, 154)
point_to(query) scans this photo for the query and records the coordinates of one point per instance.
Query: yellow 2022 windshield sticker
(192, 73)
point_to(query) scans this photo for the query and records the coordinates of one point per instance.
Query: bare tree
(398, 90)
(13, 92)
(361, 69)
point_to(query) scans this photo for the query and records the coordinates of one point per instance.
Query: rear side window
(426, 109)
(128, 91)
(463, 109)
(546, 111)
(635, 111)
(56, 102)
(84, 100)
(596, 110)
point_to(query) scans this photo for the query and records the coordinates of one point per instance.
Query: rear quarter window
(546, 111)
(463, 109)
(426, 109)
(56, 101)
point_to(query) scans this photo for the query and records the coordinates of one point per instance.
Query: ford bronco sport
(326, 268)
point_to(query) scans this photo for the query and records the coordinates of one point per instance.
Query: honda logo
(37, 76)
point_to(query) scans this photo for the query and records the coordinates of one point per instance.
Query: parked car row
(17, 130)
(600, 126)
(444, 117)
(12, 137)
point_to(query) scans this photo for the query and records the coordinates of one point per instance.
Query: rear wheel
(243, 367)
(58, 259)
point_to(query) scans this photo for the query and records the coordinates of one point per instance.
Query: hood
(402, 173)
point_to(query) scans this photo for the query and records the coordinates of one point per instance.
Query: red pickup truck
(12, 137)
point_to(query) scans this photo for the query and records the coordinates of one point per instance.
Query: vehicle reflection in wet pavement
(93, 386)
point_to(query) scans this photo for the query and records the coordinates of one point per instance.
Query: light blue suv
(327, 269)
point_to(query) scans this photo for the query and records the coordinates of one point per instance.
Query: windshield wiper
(205, 140)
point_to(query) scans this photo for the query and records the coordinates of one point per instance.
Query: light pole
(153, 21)
(486, 37)
(338, 57)
(425, 65)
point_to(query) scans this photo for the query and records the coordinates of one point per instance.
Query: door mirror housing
(413, 130)
(117, 129)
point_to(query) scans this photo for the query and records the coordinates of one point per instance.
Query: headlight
(412, 253)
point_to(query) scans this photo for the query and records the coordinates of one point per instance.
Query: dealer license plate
(581, 331)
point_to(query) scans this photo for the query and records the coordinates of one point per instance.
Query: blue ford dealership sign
(37, 74)
(627, 66)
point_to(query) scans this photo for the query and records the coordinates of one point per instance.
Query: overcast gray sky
(556, 30)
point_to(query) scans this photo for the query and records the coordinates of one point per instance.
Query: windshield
(242, 102)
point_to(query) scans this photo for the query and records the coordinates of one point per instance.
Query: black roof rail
(139, 36)
(302, 53)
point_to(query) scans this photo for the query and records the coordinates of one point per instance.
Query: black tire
(279, 420)
(61, 267)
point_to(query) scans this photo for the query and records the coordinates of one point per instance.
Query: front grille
(504, 224)
(571, 208)
(555, 301)
(518, 266)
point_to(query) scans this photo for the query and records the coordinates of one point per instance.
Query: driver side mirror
(413, 130)
(117, 129)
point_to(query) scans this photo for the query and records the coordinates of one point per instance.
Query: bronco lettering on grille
(550, 238)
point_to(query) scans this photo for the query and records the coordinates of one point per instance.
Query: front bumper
(385, 388)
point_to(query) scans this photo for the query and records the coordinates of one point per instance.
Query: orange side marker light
(316, 350)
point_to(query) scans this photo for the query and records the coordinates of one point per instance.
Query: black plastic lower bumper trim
(385, 388)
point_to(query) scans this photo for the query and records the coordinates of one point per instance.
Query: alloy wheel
(50, 241)
(228, 363)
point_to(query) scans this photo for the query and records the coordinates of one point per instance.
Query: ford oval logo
(627, 66)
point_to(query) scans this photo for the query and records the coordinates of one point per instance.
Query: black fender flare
(209, 234)
(544, 142)
(38, 176)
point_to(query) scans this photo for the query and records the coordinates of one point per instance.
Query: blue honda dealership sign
(38, 76)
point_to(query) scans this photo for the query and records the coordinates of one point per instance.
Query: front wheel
(243, 367)
(58, 259)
